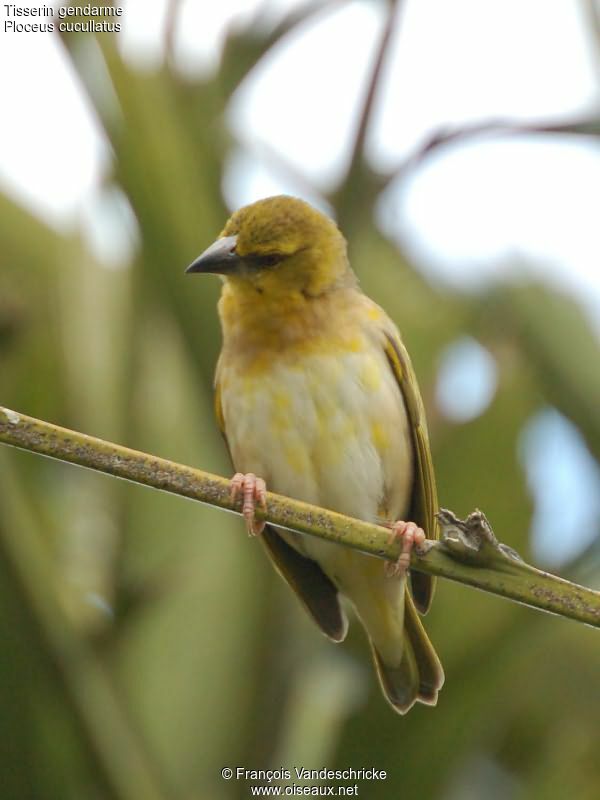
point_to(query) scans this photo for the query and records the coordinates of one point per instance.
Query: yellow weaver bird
(315, 393)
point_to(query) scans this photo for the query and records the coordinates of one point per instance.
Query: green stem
(513, 580)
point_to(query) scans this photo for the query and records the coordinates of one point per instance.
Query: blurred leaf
(559, 345)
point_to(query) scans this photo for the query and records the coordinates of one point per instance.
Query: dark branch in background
(244, 47)
(587, 126)
(171, 16)
(592, 12)
(361, 184)
(468, 553)
(358, 149)
(366, 180)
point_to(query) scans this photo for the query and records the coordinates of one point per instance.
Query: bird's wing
(424, 496)
(316, 592)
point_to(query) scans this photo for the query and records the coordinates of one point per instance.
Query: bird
(317, 399)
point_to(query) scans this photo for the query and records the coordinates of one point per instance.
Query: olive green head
(278, 244)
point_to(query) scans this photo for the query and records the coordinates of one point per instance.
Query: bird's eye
(269, 260)
(263, 260)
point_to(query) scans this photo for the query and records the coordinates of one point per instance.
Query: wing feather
(424, 496)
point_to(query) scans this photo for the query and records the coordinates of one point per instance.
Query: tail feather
(419, 676)
(400, 684)
(431, 672)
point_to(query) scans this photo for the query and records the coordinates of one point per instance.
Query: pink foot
(253, 490)
(411, 536)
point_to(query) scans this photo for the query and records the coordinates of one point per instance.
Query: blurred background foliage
(146, 642)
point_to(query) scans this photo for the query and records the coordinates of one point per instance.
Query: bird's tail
(419, 675)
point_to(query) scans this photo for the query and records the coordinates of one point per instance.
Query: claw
(412, 536)
(253, 490)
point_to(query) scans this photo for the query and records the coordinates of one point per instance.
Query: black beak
(219, 258)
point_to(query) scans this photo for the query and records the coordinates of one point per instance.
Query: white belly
(331, 431)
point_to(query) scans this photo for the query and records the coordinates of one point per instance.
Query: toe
(252, 490)
(411, 536)
(261, 492)
(237, 484)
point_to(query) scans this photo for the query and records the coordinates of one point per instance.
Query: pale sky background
(467, 213)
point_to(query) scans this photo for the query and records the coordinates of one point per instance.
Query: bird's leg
(411, 536)
(253, 490)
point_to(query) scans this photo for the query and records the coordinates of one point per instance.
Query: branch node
(473, 541)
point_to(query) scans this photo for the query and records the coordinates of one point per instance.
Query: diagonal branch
(468, 553)
(591, 10)
(360, 182)
(170, 28)
(583, 126)
(369, 102)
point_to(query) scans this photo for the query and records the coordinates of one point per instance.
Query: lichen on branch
(468, 551)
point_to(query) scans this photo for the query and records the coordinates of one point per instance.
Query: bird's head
(278, 245)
